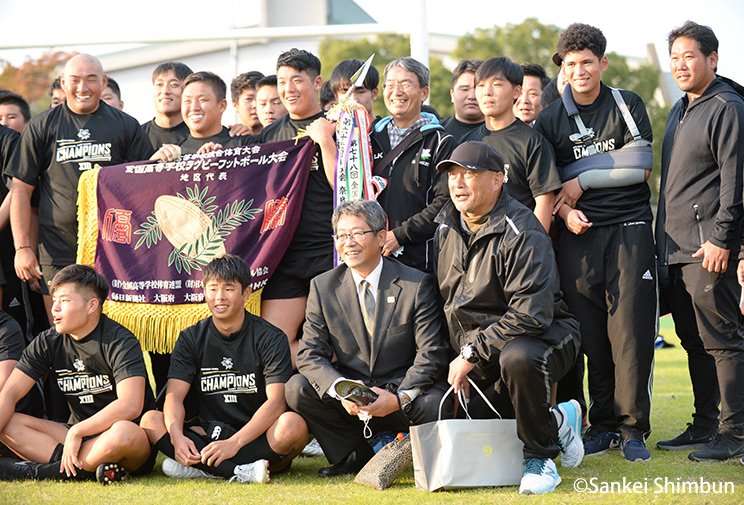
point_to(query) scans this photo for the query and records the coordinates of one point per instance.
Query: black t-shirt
(458, 129)
(158, 135)
(230, 373)
(8, 141)
(87, 370)
(529, 158)
(56, 146)
(607, 205)
(313, 236)
(12, 342)
(192, 144)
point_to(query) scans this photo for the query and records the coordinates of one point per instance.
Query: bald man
(56, 146)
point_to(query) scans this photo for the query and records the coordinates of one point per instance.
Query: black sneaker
(723, 446)
(15, 469)
(599, 442)
(108, 473)
(692, 438)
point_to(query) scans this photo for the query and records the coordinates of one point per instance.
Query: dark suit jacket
(410, 349)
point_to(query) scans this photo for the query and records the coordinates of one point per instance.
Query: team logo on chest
(227, 363)
(79, 365)
(83, 134)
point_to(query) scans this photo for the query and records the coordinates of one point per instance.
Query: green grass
(672, 403)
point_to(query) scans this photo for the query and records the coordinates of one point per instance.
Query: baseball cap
(474, 155)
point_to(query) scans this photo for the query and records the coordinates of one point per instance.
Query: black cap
(557, 59)
(474, 155)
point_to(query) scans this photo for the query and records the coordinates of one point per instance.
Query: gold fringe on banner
(155, 325)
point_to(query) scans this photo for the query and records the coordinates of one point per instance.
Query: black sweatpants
(339, 433)
(701, 365)
(715, 298)
(608, 277)
(519, 387)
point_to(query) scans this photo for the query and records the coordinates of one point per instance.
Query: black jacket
(701, 175)
(415, 190)
(501, 283)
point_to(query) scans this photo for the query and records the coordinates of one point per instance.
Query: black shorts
(254, 450)
(292, 277)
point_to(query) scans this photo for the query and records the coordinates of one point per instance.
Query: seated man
(506, 314)
(239, 363)
(397, 349)
(101, 371)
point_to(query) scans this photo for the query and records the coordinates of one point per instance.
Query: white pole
(420, 35)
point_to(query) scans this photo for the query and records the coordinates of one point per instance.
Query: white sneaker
(540, 476)
(257, 472)
(568, 417)
(312, 448)
(173, 468)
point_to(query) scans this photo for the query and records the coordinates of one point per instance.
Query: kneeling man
(506, 314)
(238, 364)
(100, 370)
(381, 321)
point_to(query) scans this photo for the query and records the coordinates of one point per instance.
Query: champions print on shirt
(82, 151)
(81, 384)
(227, 382)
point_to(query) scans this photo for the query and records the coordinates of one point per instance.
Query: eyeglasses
(356, 236)
(404, 86)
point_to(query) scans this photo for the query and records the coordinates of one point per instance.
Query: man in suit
(382, 322)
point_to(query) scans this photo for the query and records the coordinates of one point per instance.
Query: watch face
(468, 354)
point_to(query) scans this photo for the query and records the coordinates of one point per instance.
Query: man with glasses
(381, 322)
(407, 145)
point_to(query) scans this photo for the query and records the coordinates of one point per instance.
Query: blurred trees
(32, 78)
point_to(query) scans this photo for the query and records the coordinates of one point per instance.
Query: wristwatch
(469, 354)
(405, 402)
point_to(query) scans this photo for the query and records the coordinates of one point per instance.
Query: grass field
(672, 402)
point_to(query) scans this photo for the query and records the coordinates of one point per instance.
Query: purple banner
(159, 224)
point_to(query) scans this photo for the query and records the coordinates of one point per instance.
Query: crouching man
(381, 321)
(101, 371)
(238, 364)
(505, 311)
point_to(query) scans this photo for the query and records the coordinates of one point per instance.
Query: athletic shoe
(723, 446)
(540, 476)
(568, 418)
(692, 438)
(257, 472)
(634, 449)
(108, 473)
(173, 468)
(599, 442)
(15, 469)
(312, 448)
